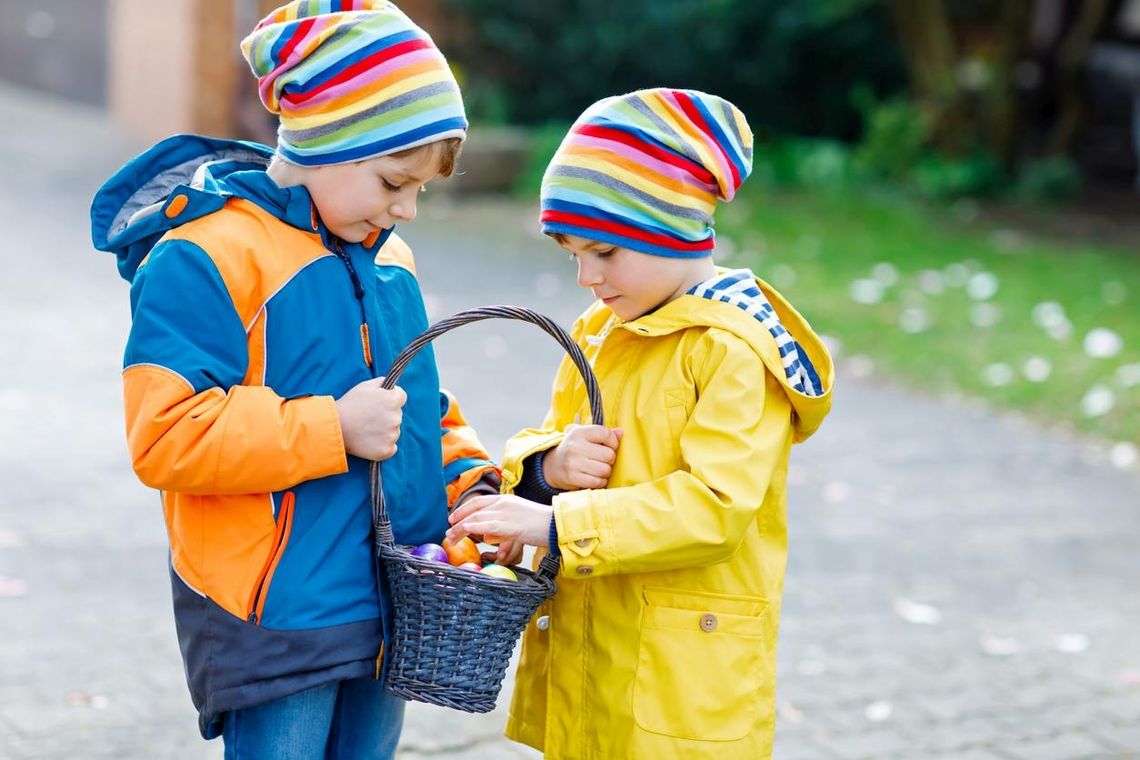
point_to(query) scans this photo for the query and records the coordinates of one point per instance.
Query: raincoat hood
(695, 311)
(180, 179)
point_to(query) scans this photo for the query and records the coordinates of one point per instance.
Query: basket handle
(382, 525)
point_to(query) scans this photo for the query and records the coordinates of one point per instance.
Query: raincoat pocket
(701, 672)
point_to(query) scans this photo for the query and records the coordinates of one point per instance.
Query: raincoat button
(582, 542)
(708, 622)
(585, 570)
(542, 623)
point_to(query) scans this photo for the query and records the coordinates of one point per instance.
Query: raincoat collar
(692, 310)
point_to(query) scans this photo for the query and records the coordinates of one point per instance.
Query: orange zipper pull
(366, 343)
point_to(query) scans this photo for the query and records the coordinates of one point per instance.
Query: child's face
(631, 283)
(357, 199)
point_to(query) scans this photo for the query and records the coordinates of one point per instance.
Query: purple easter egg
(433, 552)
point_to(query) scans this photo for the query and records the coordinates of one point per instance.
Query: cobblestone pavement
(961, 585)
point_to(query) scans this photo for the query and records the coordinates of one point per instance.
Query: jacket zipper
(280, 539)
(358, 291)
(366, 346)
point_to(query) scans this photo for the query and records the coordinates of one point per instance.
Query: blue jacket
(249, 319)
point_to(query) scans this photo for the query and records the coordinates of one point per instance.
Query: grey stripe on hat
(682, 144)
(605, 180)
(730, 119)
(301, 136)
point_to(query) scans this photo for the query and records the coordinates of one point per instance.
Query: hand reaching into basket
(584, 458)
(370, 418)
(509, 521)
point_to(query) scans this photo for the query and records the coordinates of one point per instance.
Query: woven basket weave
(454, 630)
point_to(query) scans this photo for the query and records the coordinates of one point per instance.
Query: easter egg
(434, 552)
(498, 571)
(463, 550)
(474, 567)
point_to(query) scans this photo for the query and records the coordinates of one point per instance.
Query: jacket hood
(179, 179)
(808, 382)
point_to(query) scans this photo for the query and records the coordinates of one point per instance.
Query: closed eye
(389, 186)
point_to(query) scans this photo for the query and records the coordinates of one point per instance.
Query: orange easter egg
(463, 550)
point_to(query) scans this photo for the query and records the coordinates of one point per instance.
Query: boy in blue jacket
(269, 295)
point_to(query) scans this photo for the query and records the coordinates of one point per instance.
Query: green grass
(813, 246)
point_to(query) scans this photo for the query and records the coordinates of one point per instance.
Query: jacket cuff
(533, 485)
(552, 545)
(581, 536)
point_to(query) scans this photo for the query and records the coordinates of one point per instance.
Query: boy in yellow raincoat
(661, 640)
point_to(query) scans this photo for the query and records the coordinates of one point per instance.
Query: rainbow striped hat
(644, 171)
(351, 79)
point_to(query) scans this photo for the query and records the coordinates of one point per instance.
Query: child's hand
(370, 419)
(503, 520)
(584, 458)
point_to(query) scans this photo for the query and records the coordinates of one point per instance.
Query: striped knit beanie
(351, 79)
(644, 171)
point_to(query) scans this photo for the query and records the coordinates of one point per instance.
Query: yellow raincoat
(661, 640)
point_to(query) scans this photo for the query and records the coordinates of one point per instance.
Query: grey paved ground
(960, 585)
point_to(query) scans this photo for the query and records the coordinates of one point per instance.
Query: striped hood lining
(738, 287)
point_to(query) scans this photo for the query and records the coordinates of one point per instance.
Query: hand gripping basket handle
(380, 521)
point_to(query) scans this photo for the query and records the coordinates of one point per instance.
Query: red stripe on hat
(624, 230)
(649, 149)
(298, 35)
(699, 122)
(364, 64)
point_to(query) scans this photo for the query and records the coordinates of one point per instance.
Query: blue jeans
(346, 720)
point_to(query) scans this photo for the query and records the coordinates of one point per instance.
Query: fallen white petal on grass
(913, 320)
(997, 375)
(917, 613)
(1103, 343)
(1128, 375)
(1000, 646)
(1060, 330)
(1123, 455)
(13, 399)
(985, 314)
(956, 275)
(811, 668)
(1070, 643)
(789, 713)
(1098, 401)
(12, 587)
(885, 273)
(1048, 313)
(547, 285)
(833, 344)
(860, 366)
(783, 276)
(809, 245)
(877, 712)
(982, 286)
(930, 281)
(1113, 292)
(836, 492)
(1008, 240)
(866, 291)
(1037, 369)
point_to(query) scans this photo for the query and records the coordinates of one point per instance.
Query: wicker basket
(454, 630)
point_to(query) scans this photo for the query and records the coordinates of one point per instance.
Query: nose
(404, 209)
(589, 275)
